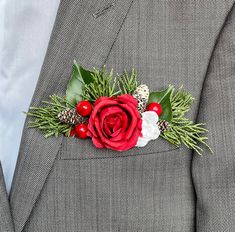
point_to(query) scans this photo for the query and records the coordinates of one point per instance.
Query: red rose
(115, 123)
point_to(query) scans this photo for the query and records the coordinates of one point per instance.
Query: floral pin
(118, 113)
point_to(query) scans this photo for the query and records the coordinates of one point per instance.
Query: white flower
(150, 130)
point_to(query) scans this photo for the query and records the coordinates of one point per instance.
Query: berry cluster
(83, 108)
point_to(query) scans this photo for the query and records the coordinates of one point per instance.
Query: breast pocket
(77, 149)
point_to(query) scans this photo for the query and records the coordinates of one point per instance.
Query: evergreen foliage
(181, 129)
(46, 117)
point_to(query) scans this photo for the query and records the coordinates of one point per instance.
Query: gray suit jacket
(64, 184)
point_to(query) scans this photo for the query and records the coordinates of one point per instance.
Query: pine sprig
(128, 84)
(102, 84)
(46, 117)
(181, 129)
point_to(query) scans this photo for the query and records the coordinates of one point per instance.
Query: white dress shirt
(25, 29)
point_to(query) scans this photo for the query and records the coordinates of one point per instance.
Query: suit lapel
(86, 31)
(6, 223)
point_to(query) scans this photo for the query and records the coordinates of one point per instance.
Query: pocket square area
(118, 113)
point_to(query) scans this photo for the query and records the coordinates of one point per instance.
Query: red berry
(156, 107)
(72, 133)
(84, 108)
(81, 131)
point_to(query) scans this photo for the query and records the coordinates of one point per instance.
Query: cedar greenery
(181, 129)
(102, 84)
(46, 117)
(128, 84)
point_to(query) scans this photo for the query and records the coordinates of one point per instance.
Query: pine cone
(141, 94)
(163, 125)
(70, 116)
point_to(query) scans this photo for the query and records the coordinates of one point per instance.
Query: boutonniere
(118, 113)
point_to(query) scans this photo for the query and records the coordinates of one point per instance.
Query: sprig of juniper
(46, 117)
(105, 84)
(128, 84)
(102, 84)
(181, 129)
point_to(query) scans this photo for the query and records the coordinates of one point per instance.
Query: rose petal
(97, 142)
(106, 129)
(118, 124)
(130, 143)
(125, 120)
(91, 128)
(111, 125)
(118, 135)
(98, 129)
(99, 106)
(142, 142)
(150, 130)
(100, 99)
(105, 115)
(126, 98)
(133, 118)
(150, 117)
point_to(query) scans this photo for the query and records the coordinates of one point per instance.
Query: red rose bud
(84, 108)
(156, 107)
(115, 123)
(81, 131)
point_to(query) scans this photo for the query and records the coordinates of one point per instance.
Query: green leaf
(163, 98)
(79, 78)
(85, 74)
